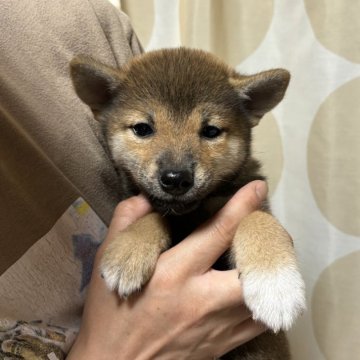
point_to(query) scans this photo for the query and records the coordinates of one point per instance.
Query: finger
(204, 246)
(224, 288)
(126, 213)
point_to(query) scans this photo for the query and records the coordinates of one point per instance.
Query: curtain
(309, 144)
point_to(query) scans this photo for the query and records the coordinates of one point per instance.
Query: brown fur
(178, 93)
(265, 347)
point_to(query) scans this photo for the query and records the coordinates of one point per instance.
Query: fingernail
(261, 190)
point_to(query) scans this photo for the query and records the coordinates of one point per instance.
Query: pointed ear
(261, 92)
(94, 83)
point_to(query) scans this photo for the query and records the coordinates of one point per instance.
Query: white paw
(275, 298)
(121, 279)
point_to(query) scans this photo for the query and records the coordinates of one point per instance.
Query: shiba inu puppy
(178, 125)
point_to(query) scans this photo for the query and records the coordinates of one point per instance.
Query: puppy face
(177, 159)
(178, 121)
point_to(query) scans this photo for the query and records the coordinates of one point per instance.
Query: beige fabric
(51, 152)
(309, 144)
(142, 17)
(33, 192)
(43, 292)
(50, 146)
(223, 24)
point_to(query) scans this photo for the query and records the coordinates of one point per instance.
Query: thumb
(126, 213)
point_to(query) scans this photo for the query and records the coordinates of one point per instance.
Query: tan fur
(147, 238)
(262, 244)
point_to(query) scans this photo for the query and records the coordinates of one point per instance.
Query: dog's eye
(142, 130)
(210, 132)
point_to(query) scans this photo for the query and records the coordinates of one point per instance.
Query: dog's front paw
(125, 267)
(275, 298)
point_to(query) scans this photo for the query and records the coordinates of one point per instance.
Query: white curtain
(310, 144)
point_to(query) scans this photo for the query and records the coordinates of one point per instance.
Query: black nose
(176, 182)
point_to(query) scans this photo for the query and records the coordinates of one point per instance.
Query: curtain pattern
(309, 144)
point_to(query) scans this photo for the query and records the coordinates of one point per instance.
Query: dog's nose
(176, 182)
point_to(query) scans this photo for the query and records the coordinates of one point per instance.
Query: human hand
(187, 310)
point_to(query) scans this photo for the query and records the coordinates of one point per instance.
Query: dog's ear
(95, 83)
(261, 92)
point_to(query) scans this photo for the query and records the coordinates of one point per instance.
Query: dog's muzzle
(176, 182)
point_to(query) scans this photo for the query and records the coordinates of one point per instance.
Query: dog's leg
(263, 253)
(129, 261)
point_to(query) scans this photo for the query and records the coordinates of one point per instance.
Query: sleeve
(51, 148)
(52, 153)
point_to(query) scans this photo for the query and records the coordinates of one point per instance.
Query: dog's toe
(123, 277)
(125, 270)
(121, 280)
